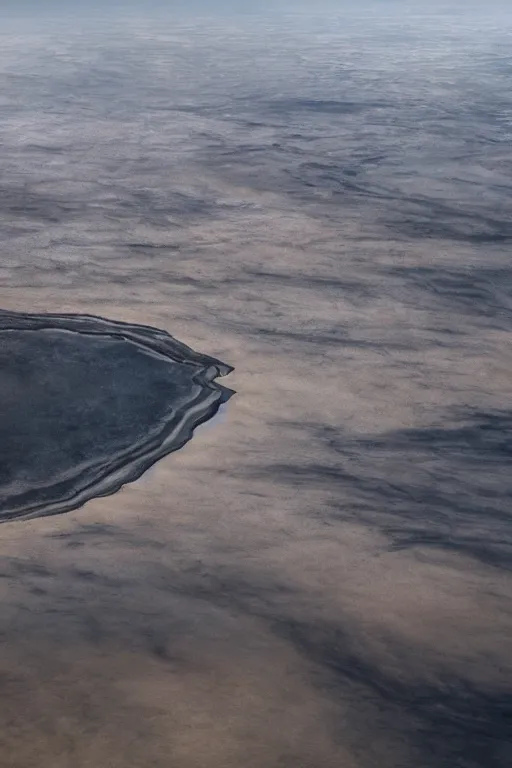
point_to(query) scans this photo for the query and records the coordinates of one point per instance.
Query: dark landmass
(87, 405)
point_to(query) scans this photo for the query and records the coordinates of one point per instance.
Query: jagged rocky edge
(129, 465)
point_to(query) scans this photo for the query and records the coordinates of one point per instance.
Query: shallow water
(322, 200)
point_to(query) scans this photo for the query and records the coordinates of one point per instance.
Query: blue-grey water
(321, 197)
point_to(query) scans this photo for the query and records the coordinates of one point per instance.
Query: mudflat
(321, 577)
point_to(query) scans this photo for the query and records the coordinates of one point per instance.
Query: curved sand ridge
(89, 404)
